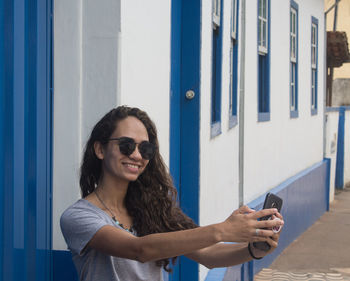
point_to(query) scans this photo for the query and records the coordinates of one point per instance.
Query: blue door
(184, 118)
(25, 139)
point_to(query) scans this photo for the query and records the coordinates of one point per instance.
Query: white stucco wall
(106, 53)
(282, 147)
(274, 150)
(145, 62)
(86, 43)
(219, 155)
(332, 119)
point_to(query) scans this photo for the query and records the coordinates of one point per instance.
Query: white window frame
(216, 13)
(313, 46)
(234, 20)
(261, 21)
(293, 35)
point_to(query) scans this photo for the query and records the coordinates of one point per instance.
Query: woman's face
(117, 165)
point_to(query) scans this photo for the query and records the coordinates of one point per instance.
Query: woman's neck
(113, 193)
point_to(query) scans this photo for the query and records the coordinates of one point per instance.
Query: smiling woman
(128, 224)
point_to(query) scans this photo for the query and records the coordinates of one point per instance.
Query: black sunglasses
(128, 145)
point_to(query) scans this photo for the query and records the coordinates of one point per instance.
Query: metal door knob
(190, 94)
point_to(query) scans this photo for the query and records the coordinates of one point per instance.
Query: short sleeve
(79, 224)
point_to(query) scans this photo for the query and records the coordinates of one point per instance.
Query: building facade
(236, 89)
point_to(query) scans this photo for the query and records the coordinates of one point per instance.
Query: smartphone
(271, 201)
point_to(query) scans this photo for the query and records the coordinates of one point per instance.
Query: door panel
(184, 127)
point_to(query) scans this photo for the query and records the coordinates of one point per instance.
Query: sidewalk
(323, 248)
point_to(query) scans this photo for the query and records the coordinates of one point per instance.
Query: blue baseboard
(305, 198)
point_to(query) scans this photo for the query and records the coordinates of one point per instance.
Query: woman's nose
(136, 154)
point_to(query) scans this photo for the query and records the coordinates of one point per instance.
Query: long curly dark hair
(151, 199)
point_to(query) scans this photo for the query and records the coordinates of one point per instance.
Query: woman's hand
(243, 226)
(272, 241)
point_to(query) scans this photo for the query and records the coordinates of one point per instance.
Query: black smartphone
(271, 201)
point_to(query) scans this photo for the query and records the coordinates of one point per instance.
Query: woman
(128, 225)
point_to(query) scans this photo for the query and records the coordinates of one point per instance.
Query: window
(234, 65)
(263, 60)
(314, 56)
(294, 60)
(216, 68)
(263, 26)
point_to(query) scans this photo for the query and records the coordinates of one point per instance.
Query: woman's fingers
(264, 213)
(263, 233)
(269, 223)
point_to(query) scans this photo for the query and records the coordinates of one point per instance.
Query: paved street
(322, 252)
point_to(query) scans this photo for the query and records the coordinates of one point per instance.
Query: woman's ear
(98, 150)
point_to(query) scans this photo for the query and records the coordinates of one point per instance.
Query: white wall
(106, 53)
(274, 150)
(332, 119)
(219, 155)
(282, 147)
(86, 40)
(145, 62)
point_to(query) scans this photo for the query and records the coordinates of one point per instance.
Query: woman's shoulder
(80, 210)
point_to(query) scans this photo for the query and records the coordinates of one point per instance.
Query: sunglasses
(128, 145)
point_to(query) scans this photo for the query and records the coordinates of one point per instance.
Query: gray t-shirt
(79, 223)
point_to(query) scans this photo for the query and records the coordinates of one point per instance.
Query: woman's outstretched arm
(237, 228)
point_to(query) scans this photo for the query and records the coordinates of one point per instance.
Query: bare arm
(223, 255)
(237, 228)
(117, 242)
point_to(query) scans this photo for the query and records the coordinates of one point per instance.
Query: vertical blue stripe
(328, 181)
(190, 80)
(184, 116)
(19, 138)
(30, 137)
(2, 135)
(339, 170)
(8, 253)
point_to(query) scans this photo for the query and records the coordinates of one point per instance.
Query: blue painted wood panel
(25, 225)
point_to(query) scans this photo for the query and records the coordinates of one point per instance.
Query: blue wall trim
(263, 116)
(305, 199)
(339, 170)
(337, 108)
